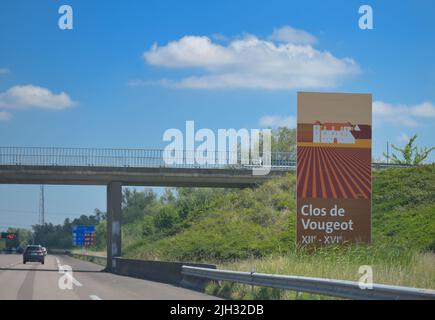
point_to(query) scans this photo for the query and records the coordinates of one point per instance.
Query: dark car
(34, 253)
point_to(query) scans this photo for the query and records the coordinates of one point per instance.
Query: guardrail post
(114, 198)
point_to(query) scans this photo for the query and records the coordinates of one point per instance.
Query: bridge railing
(149, 158)
(108, 157)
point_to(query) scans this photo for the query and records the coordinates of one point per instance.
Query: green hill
(224, 225)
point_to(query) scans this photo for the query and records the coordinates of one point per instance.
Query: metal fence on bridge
(107, 157)
(149, 158)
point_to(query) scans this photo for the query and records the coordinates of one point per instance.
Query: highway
(35, 281)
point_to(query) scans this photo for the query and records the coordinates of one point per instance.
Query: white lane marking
(94, 297)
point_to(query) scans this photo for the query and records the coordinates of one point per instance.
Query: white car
(45, 251)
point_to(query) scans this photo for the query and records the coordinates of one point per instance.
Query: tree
(166, 218)
(410, 153)
(168, 197)
(100, 215)
(24, 237)
(135, 205)
(284, 140)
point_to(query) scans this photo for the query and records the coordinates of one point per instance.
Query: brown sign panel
(334, 141)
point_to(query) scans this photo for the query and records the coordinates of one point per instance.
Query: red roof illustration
(336, 126)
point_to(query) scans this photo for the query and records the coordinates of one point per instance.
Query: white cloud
(277, 121)
(189, 51)
(250, 62)
(290, 35)
(4, 71)
(400, 114)
(30, 96)
(425, 109)
(5, 116)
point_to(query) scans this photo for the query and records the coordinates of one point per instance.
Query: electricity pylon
(41, 206)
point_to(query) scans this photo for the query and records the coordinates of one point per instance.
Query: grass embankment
(255, 229)
(408, 268)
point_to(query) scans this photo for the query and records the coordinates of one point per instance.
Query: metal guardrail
(88, 256)
(329, 287)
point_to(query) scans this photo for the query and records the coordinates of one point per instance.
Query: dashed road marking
(94, 297)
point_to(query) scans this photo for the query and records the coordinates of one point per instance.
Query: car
(45, 250)
(34, 253)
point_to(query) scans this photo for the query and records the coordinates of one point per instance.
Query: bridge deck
(134, 176)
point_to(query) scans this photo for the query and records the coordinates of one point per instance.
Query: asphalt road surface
(35, 281)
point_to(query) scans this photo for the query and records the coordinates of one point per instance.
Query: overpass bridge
(133, 167)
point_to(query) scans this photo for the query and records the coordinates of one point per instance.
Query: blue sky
(130, 70)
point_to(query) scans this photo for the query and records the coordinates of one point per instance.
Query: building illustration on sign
(334, 132)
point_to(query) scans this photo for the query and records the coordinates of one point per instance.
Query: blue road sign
(83, 235)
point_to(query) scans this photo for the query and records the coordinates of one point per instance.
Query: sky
(130, 70)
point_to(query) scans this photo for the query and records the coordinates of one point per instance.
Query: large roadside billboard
(334, 141)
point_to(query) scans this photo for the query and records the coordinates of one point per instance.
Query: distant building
(334, 132)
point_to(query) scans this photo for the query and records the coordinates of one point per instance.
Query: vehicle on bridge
(34, 253)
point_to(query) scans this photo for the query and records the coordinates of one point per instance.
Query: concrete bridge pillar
(114, 199)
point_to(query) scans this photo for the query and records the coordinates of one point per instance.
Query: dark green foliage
(396, 188)
(135, 205)
(166, 218)
(218, 224)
